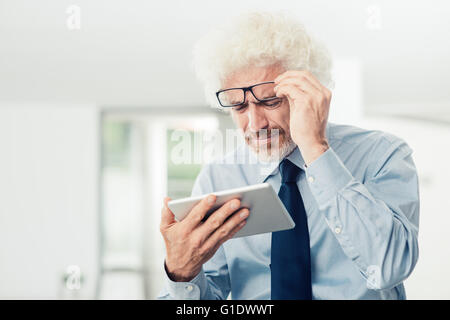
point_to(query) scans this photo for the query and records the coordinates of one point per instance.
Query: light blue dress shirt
(362, 202)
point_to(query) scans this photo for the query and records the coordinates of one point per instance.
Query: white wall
(48, 198)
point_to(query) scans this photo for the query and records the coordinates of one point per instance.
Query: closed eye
(267, 104)
(272, 103)
(241, 107)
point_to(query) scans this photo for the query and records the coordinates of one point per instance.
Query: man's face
(259, 122)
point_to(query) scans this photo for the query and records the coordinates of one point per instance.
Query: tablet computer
(267, 212)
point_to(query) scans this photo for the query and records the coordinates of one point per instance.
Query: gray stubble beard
(274, 153)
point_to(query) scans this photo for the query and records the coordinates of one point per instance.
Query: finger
(312, 96)
(292, 92)
(167, 216)
(217, 218)
(300, 74)
(230, 235)
(227, 230)
(307, 82)
(300, 77)
(303, 85)
(199, 211)
(298, 99)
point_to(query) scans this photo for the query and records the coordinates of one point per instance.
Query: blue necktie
(290, 257)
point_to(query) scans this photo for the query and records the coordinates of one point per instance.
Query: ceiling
(138, 52)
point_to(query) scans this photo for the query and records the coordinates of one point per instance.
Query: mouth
(263, 139)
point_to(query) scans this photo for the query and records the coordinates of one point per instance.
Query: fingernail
(244, 214)
(211, 199)
(234, 205)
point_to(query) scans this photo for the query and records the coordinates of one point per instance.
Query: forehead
(247, 76)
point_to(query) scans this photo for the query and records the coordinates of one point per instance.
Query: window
(138, 171)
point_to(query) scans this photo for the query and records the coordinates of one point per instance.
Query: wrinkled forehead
(250, 75)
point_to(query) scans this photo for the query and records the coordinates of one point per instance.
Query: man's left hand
(309, 103)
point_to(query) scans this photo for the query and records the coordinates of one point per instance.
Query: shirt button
(337, 230)
(311, 179)
(189, 288)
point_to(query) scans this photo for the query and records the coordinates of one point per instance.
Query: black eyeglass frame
(245, 89)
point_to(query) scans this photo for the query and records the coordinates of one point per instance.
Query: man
(353, 193)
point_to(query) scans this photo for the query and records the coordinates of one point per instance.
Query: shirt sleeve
(213, 282)
(375, 221)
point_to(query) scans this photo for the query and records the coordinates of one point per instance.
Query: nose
(256, 118)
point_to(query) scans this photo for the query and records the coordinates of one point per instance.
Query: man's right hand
(191, 242)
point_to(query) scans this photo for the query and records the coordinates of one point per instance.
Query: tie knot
(289, 171)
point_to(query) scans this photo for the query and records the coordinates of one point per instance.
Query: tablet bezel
(271, 215)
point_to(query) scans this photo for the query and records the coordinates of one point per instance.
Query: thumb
(167, 216)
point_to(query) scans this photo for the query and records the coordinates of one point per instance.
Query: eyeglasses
(233, 97)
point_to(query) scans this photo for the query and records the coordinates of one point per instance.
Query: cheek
(280, 118)
(240, 120)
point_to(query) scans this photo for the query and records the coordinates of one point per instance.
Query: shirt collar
(295, 157)
(260, 171)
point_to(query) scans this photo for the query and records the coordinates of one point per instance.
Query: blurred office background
(91, 91)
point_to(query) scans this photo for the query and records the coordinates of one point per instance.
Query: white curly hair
(259, 39)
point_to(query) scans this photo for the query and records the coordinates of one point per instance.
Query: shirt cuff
(326, 176)
(187, 290)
